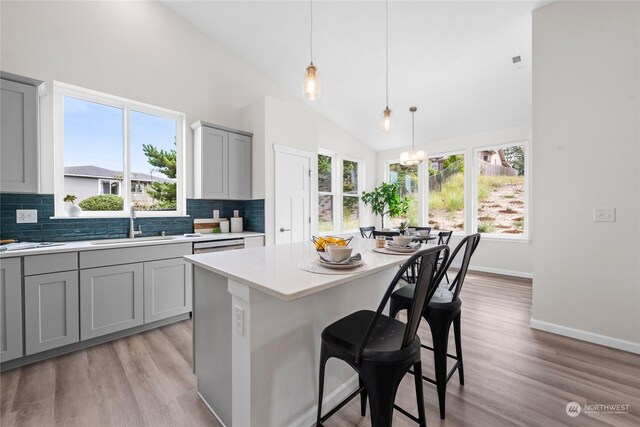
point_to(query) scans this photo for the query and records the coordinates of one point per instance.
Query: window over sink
(112, 153)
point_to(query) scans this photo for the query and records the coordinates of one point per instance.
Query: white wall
(586, 80)
(143, 51)
(277, 123)
(503, 256)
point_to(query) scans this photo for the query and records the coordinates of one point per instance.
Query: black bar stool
(440, 316)
(382, 349)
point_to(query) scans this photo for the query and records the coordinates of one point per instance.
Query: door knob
(282, 229)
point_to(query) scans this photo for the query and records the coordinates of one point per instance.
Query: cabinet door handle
(282, 229)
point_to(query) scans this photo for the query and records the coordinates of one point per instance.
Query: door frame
(283, 149)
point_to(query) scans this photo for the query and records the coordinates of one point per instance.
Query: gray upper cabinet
(239, 166)
(111, 299)
(51, 311)
(167, 289)
(215, 170)
(222, 162)
(18, 137)
(10, 309)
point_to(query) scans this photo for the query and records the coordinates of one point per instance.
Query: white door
(292, 196)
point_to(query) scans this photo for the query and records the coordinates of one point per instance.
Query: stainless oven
(217, 245)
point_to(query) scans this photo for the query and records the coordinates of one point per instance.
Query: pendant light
(386, 114)
(412, 157)
(311, 89)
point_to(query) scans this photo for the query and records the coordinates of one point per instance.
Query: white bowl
(401, 240)
(339, 253)
(424, 232)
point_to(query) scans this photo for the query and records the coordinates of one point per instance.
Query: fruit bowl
(321, 242)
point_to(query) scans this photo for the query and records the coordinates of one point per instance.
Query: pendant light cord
(311, 31)
(386, 4)
(413, 131)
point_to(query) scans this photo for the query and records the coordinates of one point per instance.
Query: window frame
(525, 236)
(422, 219)
(62, 90)
(424, 182)
(359, 189)
(332, 193)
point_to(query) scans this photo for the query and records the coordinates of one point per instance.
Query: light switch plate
(238, 319)
(26, 216)
(604, 214)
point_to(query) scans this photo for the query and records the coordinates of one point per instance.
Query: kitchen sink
(128, 241)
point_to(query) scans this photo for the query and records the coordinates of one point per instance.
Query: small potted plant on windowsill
(73, 210)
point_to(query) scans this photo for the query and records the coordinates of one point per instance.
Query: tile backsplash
(51, 230)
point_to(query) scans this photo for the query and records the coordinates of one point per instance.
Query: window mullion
(128, 200)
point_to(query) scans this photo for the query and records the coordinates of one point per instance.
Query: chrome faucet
(132, 231)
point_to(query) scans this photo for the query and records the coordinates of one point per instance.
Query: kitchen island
(257, 320)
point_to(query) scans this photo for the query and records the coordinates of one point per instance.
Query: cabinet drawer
(51, 263)
(107, 257)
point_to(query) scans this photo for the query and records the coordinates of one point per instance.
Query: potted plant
(74, 210)
(386, 200)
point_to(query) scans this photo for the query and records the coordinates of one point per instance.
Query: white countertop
(274, 269)
(86, 245)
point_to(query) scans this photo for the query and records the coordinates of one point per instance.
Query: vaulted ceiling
(453, 60)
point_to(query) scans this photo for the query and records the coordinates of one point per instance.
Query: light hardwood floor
(514, 376)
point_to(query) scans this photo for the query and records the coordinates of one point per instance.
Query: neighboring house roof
(90, 171)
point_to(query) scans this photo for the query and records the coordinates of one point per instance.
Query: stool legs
(422, 416)
(382, 385)
(440, 335)
(323, 362)
(363, 398)
(456, 332)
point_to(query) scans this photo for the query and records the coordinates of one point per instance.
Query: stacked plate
(353, 262)
(406, 249)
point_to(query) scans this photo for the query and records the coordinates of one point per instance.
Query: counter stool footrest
(449, 375)
(341, 404)
(406, 414)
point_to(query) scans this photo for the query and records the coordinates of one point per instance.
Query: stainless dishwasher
(217, 245)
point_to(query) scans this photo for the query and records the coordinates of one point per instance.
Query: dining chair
(367, 232)
(423, 228)
(443, 239)
(388, 234)
(440, 313)
(382, 349)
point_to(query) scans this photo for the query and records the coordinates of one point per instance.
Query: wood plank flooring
(514, 376)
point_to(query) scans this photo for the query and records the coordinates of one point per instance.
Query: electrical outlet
(238, 319)
(604, 214)
(26, 216)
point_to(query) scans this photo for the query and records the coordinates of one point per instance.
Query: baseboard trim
(578, 334)
(309, 417)
(81, 345)
(499, 271)
(211, 409)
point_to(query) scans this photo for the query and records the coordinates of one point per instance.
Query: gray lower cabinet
(50, 311)
(111, 299)
(167, 289)
(10, 309)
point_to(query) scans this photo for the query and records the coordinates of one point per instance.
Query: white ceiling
(450, 59)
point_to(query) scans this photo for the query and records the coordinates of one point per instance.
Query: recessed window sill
(138, 216)
(522, 240)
